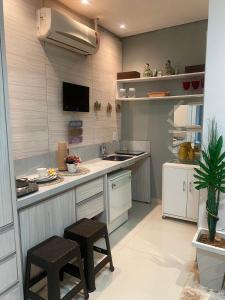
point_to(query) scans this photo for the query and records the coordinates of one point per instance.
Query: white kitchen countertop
(97, 167)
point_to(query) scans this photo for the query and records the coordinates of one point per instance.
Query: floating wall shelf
(196, 97)
(160, 78)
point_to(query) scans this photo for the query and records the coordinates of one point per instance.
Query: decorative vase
(72, 168)
(183, 152)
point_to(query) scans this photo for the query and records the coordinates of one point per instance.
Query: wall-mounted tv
(75, 97)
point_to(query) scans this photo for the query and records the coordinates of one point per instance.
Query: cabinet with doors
(180, 198)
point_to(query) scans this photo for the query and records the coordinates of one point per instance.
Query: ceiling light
(122, 26)
(85, 2)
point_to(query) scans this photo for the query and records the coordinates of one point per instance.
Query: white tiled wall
(36, 71)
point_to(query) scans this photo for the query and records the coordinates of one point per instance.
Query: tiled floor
(153, 258)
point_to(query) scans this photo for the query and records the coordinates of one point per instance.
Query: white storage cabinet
(180, 198)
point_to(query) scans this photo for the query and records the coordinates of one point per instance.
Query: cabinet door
(5, 188)
(174, 191)
(193, 197)
(45, 219)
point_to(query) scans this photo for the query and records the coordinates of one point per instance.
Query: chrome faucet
(103, 150)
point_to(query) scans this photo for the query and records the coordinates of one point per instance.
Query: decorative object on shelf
(169, 70)
(97, 106)
(131, 93)
(122, 93)
(177, 71)
(61, 154)
(195, 84)
(72, 162)
(75, 132)
(147, 71)
(191, 154)
(155, 72)
(118, 107)
(195, 68)
(160, 73)
(109, 108)
(159, 94)
(80, 171)
(210, 243)
(128, 75)
(183, 152)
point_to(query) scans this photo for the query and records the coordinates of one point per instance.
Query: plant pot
(72, 168)
(211, 262)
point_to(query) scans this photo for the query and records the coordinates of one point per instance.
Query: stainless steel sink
(117, 157)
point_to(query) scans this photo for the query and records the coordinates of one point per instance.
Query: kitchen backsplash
(36, 71)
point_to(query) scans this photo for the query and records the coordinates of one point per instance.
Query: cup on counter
(42, 173)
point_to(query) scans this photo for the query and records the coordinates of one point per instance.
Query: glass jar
(122, 93)
(132, 93)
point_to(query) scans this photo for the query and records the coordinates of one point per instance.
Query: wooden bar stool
(54, 257)
(86, 232)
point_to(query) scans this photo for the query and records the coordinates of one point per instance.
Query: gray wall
(184, 45)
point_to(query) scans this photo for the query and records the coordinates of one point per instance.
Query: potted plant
(72, 162)
(210, 244)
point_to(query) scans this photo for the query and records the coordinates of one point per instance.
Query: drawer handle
(184, 186)
(190, 187)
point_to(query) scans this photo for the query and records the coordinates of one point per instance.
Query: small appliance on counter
(25, 187)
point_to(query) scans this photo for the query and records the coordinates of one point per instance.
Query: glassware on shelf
(202, 83)
(122, 93)
(186, 85)
(195, 84)
(132, 93)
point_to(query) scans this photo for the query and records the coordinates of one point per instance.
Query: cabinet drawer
(12, 294)
(89, 189)
(8, 273)
(7, 242)
(91, 207)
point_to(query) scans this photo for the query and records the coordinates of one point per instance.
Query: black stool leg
(109, 252)
(82, 278)
(89, 268)
(53, 285)
(27, 278)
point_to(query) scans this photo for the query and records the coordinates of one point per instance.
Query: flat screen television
(75, 97)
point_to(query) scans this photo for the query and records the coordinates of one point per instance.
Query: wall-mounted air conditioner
(64, 31)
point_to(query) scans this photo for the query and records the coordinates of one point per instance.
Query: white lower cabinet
(91, 207)
(8, 273)
(89, 199)
(12, 294)
(180, 198)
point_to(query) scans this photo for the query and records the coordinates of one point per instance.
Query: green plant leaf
(200, 172)
(204, 167)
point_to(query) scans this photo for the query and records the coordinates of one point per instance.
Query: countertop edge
(34, 199)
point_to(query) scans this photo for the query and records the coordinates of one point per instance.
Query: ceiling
(140, 15)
